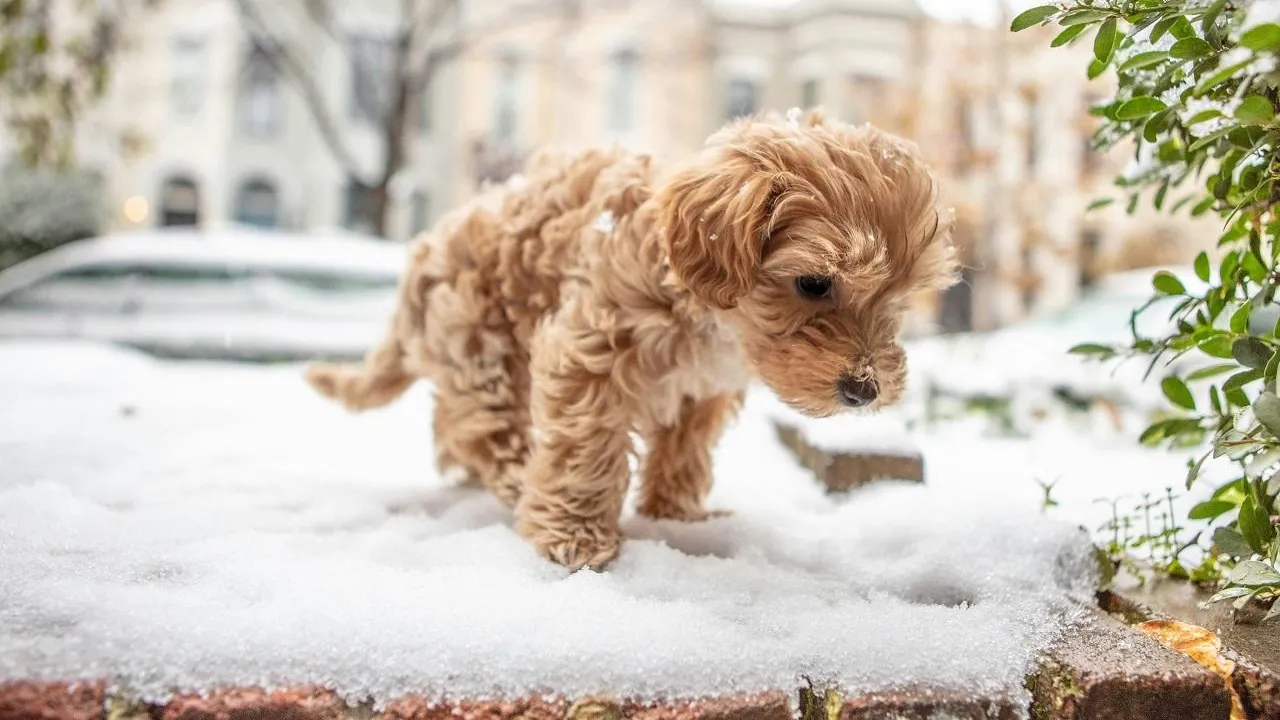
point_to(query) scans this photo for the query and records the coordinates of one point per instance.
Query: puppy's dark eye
(813, 287)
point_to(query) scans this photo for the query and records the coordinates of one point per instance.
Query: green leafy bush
(40, 210)
(1197, 96)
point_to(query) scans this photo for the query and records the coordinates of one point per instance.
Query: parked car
(229, 294)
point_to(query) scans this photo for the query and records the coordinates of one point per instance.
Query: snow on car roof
(236, 247)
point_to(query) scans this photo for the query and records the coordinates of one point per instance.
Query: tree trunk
(395, 125)
(380, 208)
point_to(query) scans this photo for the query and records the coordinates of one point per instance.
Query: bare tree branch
(275, 50)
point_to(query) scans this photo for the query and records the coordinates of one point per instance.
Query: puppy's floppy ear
(716, 222)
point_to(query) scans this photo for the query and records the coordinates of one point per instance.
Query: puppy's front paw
(576, 553)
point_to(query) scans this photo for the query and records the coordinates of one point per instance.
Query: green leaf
(1251, 352)
(1274, 612)
(1032, 17)
(1167, 283)
(1068, 35)
(1202, 116)
(1209, 140)
(1181, 27)
(1262, 37)
(1143, 60)
(1218, 346)
(1211, 371)
(1202, 266)
(1099, 203)
(1234, 591)
(1240, 379)
(1210, 509)
(1138, 108)
(1253, 573)
(1177, 392)
(1078, 17)
(1267, 409)
(1211, 15)
(1104, 43)
(1240, 319)
(1221, 76)
(1162, 27)
(1232, 492)
(1092, 349)
(1096, 68)
(1189, 48)
(1231, 542)
(1255, 110)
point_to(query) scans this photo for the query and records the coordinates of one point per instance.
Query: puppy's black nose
(857, 393)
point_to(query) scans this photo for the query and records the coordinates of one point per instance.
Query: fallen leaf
(1201, 645)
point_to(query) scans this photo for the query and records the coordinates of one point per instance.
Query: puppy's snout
(857, 393)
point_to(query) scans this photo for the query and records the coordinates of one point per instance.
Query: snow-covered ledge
(847, 451)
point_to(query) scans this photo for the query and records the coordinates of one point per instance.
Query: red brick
(24, 700)
(302, 703)
(413, 708)
(767, 706)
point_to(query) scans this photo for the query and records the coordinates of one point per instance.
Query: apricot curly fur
(601, 296)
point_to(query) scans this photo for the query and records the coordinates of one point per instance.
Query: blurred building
(229, 139)
(1005, 119)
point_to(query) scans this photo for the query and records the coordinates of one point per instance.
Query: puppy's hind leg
(482, 425)
(677, 465)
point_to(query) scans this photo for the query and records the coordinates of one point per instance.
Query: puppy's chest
(713, 366)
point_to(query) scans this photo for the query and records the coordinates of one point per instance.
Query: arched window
(507, 98)
(741, 98)
(179, 202)
(622, 90)
(258, 203)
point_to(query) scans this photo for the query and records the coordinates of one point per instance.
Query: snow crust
(181, 526)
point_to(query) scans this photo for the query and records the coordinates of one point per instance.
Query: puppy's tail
(377, 381)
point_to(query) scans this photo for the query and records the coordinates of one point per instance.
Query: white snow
(1260, 12)
(187, 525)
(605, 222)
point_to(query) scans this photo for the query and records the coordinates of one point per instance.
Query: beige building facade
(1003, 117)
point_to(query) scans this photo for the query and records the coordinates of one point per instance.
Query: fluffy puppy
(601, 296)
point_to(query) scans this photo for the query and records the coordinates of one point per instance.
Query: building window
(967, 135)
(258, 203)
(420, 212)
(505, 117)
(1030, 280)
(1090, 158)
(866, 99)
(1090, 241)
(1034, 132)
(955, 310)
(370, 77)
(359, 207)
(426, 106)
(622, 90)
(741, 99)
(188, 78)
(179, 202)
(809, 94)
(261, 102)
